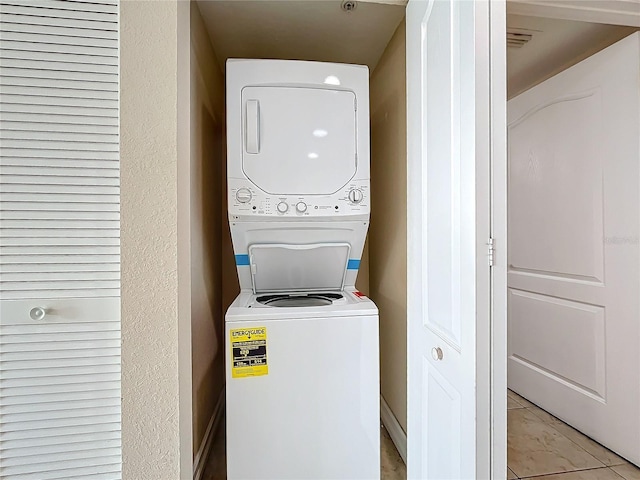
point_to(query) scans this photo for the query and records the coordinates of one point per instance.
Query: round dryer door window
(299, 141)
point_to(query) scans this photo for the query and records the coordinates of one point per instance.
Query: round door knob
(37, 313)
(436, 353)
(243, 195)
(301, 207)
(355, 195)
(282, 207)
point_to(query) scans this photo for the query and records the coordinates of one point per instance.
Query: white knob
(282, 207)
(37, 313)
(355, 195)
(301, 207)
(436, 353)
(243, 195)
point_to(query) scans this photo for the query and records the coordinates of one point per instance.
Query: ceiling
(554, 46)
(300, 29)
(320, 30)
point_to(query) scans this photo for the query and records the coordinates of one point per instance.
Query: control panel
(246, 199)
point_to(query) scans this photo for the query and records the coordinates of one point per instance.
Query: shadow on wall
(207, 314)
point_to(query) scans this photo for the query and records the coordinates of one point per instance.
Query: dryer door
(297, 140)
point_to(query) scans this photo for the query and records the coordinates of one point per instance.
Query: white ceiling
(555, 45)
(300, 29)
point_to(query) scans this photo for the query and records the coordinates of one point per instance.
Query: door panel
(59, 241)
(574, 253)
(571, 350)
(449, 133)
(441, 408)
(555, 177)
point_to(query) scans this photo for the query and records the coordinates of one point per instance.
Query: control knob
(243, 195)
(301, 207)
(355, 195)
(282, 207)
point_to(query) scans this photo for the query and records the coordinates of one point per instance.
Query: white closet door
(59, 240)
(574, 246)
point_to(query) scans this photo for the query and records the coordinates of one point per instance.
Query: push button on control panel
(301, 207)
(282, 207)
(243, 195)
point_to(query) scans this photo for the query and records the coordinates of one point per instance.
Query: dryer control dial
(301, 207)
(282, 207)
(243, 195)
(355, 195)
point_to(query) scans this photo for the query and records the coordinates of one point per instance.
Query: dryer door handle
(252, 126)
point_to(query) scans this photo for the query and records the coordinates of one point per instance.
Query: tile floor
(539, 446)
(391, 465)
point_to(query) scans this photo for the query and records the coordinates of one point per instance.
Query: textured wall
(150, 390)
(207, 158)
(388, 233)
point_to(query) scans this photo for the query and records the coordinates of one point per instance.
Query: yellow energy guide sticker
(249, 352)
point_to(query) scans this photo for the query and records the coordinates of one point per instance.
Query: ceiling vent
(519, 37)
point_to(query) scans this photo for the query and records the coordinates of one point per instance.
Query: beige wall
(388, 233)
(207, 158)
(151, 416)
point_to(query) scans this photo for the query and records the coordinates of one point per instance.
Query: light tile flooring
(539, 447)
(542, 447)
(391, 465)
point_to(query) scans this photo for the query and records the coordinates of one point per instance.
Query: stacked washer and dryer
(302, 366)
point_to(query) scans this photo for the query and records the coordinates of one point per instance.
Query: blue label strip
(242, 260)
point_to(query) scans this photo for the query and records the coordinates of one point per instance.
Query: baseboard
(200, 460)
(392, 425)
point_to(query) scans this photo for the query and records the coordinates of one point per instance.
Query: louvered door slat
(49, 56)
(54, 30)
(61, 154)
(64, 380)
(27, 126)
(29, 16)
(62, 101)
(42, 469)
(49, 442)
(59, 240)
(38, 39)
(44, 121)
(98, 425)
(60, 206)
(54, 11)
(103, 80)
(22, 45)
(37, 460)
(79, 9)
(28, 269)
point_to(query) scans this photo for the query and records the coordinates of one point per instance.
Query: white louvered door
(59, 240)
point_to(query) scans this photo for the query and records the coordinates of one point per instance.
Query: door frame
(498, 209)
(617, 12)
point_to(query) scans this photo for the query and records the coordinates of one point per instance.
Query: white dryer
(302, 366)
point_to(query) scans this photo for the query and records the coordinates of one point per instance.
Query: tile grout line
(550, 425)
(556, 419)
(572, 471)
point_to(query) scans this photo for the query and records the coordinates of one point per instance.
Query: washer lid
(298, 268)
(299, 140)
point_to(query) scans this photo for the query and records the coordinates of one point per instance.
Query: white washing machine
(302, 366)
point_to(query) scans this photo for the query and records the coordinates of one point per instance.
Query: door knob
(436, 353)
(37, 313)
